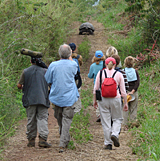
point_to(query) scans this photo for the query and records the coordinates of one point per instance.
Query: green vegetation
(129, 33)
(83, 49)
(146, 138)
(37, 26)
(131, 26)
(79, 127)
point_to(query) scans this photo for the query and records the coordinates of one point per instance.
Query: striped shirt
(125, 79)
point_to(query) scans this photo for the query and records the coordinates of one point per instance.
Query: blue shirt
(94, 69)
(61, 75)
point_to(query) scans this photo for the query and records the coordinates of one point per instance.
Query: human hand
(95, 104)
(125, 108)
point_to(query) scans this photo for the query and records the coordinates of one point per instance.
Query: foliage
(83, 49)
(79, 127)
(146, 14)
(146, 137)
(35, 25)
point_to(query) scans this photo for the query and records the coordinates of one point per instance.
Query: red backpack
(109, 86)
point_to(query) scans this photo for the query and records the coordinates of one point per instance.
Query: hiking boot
(43, 143)
(115, 140)
(98, 120)
(108, 147)
(31, 143)
(61, 149)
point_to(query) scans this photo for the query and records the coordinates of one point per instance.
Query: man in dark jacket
(35, 100)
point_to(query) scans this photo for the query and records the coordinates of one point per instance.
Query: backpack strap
(114, 74)
(105, 73)
(77, 57)
(100, 78)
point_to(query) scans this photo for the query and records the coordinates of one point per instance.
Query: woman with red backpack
(110, 106)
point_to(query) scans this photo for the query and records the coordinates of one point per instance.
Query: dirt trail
(16, 149)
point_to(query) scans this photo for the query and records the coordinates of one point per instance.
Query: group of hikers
(60, 84)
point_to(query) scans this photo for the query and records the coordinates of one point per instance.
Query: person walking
(111, 107)
(117, 58)
(78, 59)
(63, 92)
(134, 82)
(96, 66)
(111, 51)
(35, 100)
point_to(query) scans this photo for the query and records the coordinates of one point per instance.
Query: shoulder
(122, 71)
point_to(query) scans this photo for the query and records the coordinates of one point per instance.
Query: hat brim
(132, 97)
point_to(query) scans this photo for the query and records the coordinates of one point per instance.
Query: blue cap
(72, 46)
(99, 54)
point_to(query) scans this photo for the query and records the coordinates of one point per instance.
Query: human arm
(70, 58)
(135, 84)
(96, 87)
(125, 80)
(91, 74)
(95, 105)
(49, 74)
(123, 93)
(21, 81)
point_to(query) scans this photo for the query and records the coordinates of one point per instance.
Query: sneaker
(44, 144)
(115, 140)
(108, 147)
(98, 120)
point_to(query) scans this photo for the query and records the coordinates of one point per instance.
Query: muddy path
(16, 148)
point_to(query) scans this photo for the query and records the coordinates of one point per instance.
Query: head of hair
(117, 58)
(110, 65)
(33, 59)
(65, 51)
(72, 46)
(97, 60)
(129, 61)
(110, 62)
(110, 51)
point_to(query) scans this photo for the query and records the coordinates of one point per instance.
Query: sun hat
(72, 46)
(110, 59)
(98, 54)
(130, 97)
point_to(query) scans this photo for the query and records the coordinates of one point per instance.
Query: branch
(12, 20)
(13, 43)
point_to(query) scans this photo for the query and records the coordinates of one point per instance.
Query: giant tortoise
(86, 28)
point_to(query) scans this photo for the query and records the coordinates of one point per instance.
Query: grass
(146, 141)
(83, 49)
(80, 125)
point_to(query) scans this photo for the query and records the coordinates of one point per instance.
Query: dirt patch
(16, 148)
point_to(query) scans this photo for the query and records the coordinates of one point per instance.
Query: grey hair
(65, 51)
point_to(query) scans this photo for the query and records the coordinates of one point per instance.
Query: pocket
(69, 111)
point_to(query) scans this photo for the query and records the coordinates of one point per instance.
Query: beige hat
(130, 97)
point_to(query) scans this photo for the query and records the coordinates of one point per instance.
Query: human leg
(58, 115)
(78, 104)
(68, 113)
(31, 125)
(42, 124)
(133, 107)
(116, 113)
(98, 114)
(105, 120)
